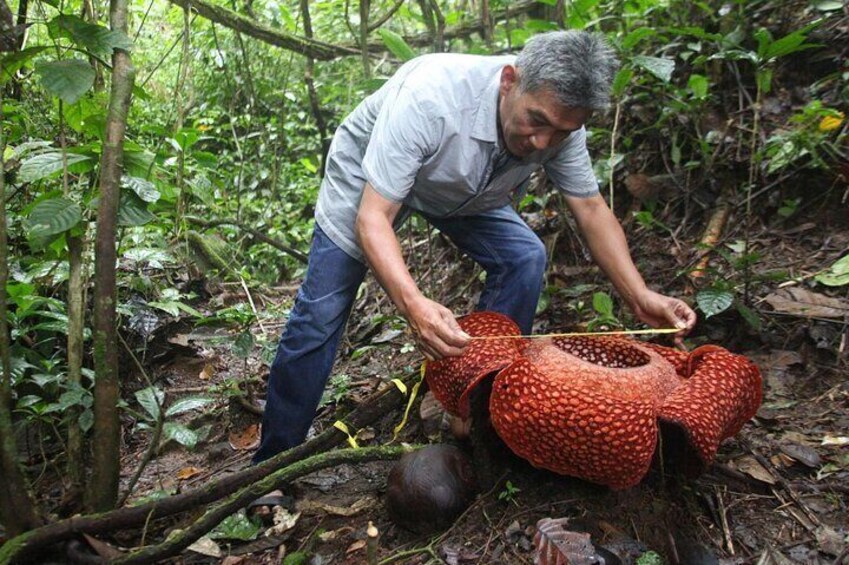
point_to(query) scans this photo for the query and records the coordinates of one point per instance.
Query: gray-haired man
(452, 137)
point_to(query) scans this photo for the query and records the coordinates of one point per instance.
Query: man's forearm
(609, 249)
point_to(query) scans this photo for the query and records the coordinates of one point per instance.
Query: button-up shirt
(428, 139)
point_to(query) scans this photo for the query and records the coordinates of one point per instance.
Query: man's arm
(607, 243)
(436, 330)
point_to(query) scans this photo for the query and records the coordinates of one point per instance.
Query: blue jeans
(508, 250)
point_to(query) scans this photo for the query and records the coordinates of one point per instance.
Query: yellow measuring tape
(581, 334)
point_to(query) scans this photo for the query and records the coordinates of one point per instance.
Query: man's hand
(658, 310)
(437, 332)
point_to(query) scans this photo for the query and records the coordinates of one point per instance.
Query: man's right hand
(437, 332)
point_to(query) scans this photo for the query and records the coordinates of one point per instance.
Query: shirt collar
(486, 118)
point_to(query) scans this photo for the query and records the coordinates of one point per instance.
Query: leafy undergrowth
(776, 492)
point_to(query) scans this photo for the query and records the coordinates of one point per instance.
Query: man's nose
(540, 140)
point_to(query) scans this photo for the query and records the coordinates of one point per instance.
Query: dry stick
(213, 516)
(713, 232)
(723, 517)
(28, 544)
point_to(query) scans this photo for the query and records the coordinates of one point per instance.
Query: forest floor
(777, 493)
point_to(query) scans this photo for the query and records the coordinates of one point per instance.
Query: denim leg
(511, 254)
(308, 345)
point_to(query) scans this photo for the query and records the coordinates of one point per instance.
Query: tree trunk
(102, 490)
(76, 326)
(17, 507)
(364, 10)
(309, 72)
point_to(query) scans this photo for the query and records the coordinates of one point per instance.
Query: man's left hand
(658, 310)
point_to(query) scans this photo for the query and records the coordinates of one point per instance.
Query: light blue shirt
(428, 138)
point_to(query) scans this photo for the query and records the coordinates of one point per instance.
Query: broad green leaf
(396, 44)
(13, 62)
(790, 43)
(86, 420)
(53, 216)
(837, 274)
(621, 80)
(602, 303)
(698, 84)
(179, 433)
(151, 399)
(96, 40)
(44, 165)
(236, 526)
(660, 67)
(145, 189)
(88, 115)
(829, 5)
(713, 302)
(132, 210)
(636, 36)
(68, 79)
(187, 405)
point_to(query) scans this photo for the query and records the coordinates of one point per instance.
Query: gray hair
(577, 65)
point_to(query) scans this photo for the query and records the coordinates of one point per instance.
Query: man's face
(533, 121)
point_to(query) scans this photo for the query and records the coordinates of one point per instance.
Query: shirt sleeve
(571, 170)
(405, 133)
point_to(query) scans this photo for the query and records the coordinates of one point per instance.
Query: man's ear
(509, 79)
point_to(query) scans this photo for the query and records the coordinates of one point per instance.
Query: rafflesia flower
(591, 407)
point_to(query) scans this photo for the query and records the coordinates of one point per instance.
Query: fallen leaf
(356, 546)
(334, 534)
(800, 438)
(839, 441)
(283, 521)
(830, 541)
(750, 466)
(179, 339)
(771, 556)
(232, 560)
(245, 439)
(206, 546)
(555, 545)
(188, 473)
(207, 372)
(365, 434)
(803, 454)
(801, 302)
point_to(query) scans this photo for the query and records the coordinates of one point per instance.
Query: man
(452, 137)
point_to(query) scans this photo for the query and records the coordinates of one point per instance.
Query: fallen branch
(302, 257)
(175, 544)
(40, 539)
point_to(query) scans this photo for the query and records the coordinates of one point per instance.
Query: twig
(251, 302)
(723, 516)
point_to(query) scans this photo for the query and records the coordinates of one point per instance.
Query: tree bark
(29, 544)
(364, 10)
(309, 72)
(17, 507)
(102, 491)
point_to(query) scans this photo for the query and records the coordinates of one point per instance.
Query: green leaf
(68, 79)
(837, 274)
(53, 216)
(179, 433)
(151, 399)
(636, 36)
(145, 189)
(396, 44)
(829, 6)
(13, 62)
(713, 302)
(96, 40)
(132, 210)
(749, 315)
(660, 67)
(698, 84)
(236, 526)
(86, 420)
(602, 303)
(621, 81)
(243, 345)
(187, 405)
(44, 165)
